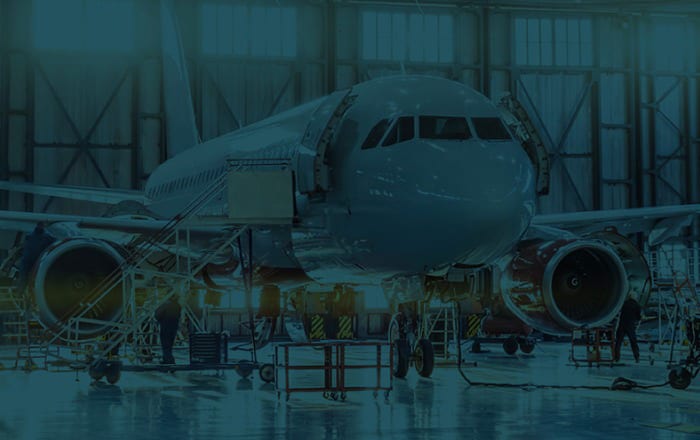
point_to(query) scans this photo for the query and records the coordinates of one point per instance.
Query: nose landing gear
(410, 350)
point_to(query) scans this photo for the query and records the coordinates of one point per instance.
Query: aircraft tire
(424, 358)
(510, 345)
(402, 354)
(680, 380)
(527, 346)
(113, 372)
(267, 373)
(96, 370)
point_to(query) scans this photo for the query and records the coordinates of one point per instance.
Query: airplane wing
(99, 195)
(662, 222)
(26, 221)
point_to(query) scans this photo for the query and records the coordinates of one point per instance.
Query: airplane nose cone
(482, 199)
(422, 206)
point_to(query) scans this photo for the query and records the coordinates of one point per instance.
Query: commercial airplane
(412, 183)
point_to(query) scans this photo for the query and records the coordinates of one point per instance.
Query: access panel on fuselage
(261, 196)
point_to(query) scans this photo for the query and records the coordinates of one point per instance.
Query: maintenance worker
(168, 317)
(630, 315)
(34, 244)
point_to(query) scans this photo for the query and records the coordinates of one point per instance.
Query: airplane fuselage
(423, 175)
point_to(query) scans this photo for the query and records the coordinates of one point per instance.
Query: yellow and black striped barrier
(317, 327)
(345, 328)
(473, 325)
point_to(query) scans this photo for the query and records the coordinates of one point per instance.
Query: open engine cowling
(559, 285)
(64, 279)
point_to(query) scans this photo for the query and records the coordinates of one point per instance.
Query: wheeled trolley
(596, 344)
(333, 368)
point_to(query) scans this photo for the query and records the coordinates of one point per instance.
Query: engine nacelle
(63, 280)
(558, 285)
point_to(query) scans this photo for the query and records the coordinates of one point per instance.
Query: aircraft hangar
(434, 218)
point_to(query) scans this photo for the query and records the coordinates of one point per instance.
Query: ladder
(442, 327)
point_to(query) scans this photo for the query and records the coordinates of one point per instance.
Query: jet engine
(65, 280)
(558, 285)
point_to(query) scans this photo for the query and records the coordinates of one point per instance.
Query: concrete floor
(185, 405)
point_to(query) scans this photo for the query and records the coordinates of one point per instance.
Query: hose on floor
(619, 384)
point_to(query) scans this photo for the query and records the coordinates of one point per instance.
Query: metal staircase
(137, 272)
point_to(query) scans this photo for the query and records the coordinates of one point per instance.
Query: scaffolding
(675, 290)
(675, 297)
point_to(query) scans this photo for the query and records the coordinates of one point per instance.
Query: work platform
(54, 406)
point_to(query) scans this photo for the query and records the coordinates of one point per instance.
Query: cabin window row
(186, 182)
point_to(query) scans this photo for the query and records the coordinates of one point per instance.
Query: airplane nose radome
(490, 203)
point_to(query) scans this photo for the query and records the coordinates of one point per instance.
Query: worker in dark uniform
(34, 244)
(630, 315)
(168, 317)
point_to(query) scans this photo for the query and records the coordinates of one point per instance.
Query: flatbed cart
(207, 351)
(333, 363)
(111, 369)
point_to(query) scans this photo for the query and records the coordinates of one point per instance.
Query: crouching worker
(168, 317)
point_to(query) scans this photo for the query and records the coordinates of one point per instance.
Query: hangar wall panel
(243, 78)
(669, 109)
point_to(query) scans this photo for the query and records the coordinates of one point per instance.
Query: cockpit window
(438, 127)
(392, 135)
(402, 130)
(375, 134)
(406, 126)
(491, 129)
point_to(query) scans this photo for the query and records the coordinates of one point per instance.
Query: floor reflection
(53, 406)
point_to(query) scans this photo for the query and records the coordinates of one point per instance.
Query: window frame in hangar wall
(221, 81)
(39, 68)
(644, 183)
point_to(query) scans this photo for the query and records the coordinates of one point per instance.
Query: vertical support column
(485, 52)
(634, 102)
(136, 167)
(596, 125)
(331, 46)
(690, 118)
(650, 106)
(29, 140)
(30, 76)
(4, 99)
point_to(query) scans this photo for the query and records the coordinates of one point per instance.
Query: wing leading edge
(109, 196)
(661, 221)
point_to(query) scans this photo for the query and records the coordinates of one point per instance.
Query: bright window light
(553, 41)
(241, 30)
(84, 25)
(401, 36)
